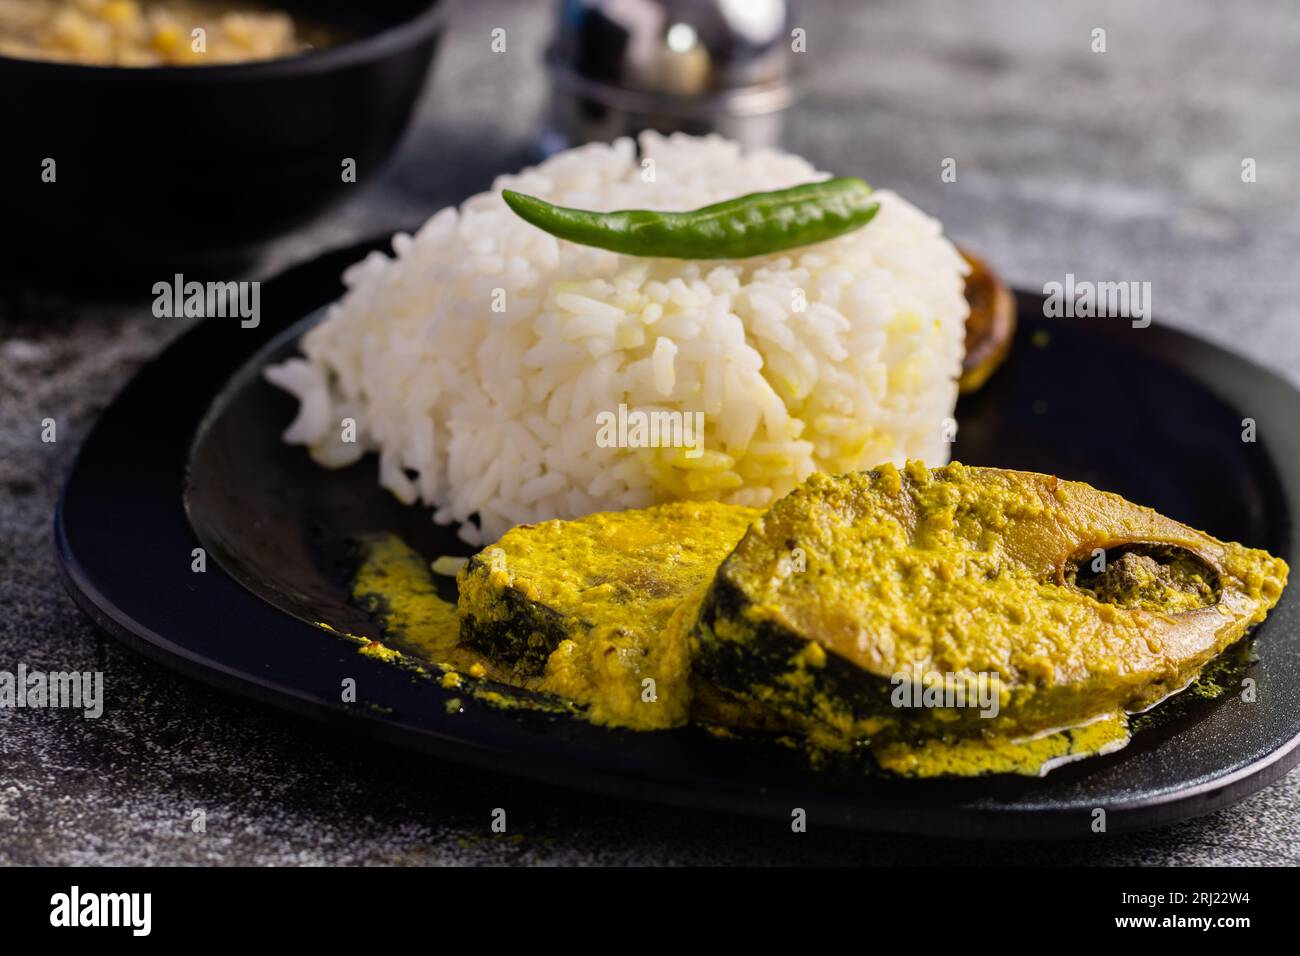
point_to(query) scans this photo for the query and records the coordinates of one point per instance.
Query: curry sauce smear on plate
(803, 622)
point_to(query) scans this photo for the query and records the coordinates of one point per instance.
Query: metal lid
(688, 57)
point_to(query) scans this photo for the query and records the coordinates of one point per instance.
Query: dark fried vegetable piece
(990, 327)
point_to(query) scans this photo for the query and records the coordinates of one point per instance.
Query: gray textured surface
(1123, 165)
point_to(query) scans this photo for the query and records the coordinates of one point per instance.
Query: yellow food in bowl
(143, 33)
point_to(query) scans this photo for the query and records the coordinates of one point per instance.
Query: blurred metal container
(697, 66)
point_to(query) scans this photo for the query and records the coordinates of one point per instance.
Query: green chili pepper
(752, 225)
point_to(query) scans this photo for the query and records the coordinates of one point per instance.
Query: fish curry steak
(1070, 608)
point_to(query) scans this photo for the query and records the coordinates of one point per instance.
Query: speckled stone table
(1117, 165)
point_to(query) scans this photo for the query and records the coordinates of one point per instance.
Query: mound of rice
(477, 359)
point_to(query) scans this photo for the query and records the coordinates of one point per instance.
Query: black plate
(1150, 413)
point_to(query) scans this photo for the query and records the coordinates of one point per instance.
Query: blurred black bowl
(167, 166)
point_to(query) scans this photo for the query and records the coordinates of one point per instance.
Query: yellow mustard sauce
(421, 630)
(395, 584)
(997, 753)
(576, 616)
(975, 572)
(597, 610)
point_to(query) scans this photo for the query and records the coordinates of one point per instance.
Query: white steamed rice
(491, 415)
